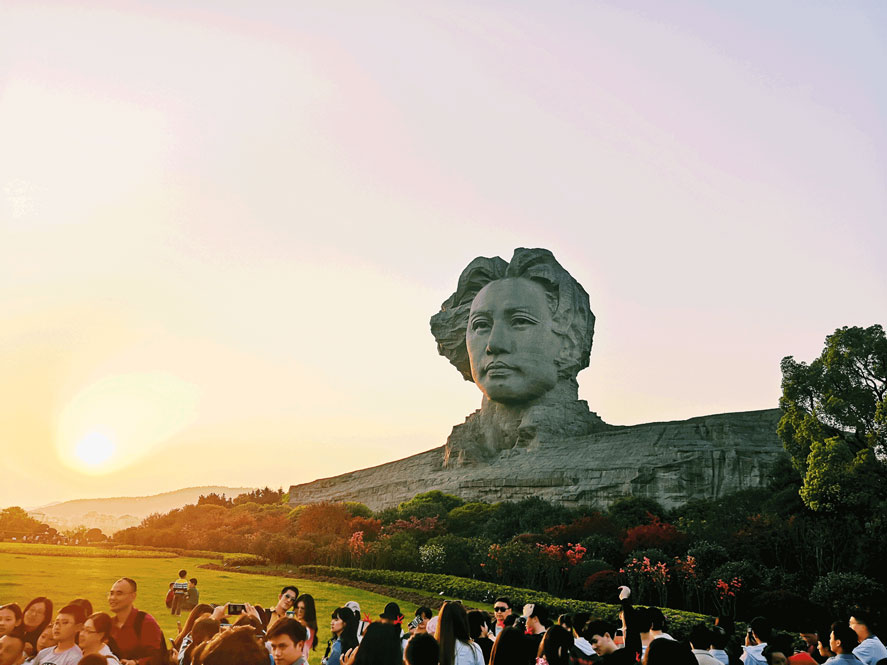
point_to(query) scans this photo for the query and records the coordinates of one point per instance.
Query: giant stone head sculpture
(516, 329)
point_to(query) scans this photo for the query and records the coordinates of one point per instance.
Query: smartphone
(235, 609)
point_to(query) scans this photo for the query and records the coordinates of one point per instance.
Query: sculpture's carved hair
(568, 301)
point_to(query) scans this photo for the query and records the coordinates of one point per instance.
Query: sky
(224, 226)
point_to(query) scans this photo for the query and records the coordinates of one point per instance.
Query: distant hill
(113, 514)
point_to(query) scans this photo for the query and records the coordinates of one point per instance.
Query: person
(343, 626)
(236, 646)
(759, 632)
(668, 652)
(842, 641)
(95, 637)
(777, 654)
(92, 659)
(419, 624)
(870, 650)
(12, 649)
(192, 597)
(282, 609)
(287, 638)
(536, 617)
(10, 619)
(501, 609)
(719, 641)
(306, 614)
(479, 630)
(391, 614)
(203, 630)
(456, 647)
(85, 604)
(182, 640)
(581, 653)
(137, 634)
(555, 647)
(700, 643)
(362, 622)
(600, 635)
(510, 648)
(657, 624)
(380, 646)
(811, 639)
(421, 649)
(179, 593)
(35, 618)
(45, 640)
(68, 622)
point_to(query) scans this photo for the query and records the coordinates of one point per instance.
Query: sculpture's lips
(498, 365)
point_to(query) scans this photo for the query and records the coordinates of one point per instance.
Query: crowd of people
(287, 634)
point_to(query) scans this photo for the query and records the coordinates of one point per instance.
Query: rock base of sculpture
(671, 462)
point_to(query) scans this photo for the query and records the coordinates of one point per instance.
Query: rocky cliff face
(671, 462)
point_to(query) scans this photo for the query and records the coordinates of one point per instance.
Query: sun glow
(95, 449)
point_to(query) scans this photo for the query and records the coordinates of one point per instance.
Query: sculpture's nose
(499, 340)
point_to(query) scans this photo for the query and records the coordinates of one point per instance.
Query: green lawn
(27, 571)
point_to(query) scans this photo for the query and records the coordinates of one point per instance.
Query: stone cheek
(673, 462)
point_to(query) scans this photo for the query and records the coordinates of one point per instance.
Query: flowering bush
(726, 593)
(647, 578)
(357, 548)
(432, 557)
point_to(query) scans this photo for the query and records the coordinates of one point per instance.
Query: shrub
(656, 534)
(839, 592)
(605, 548)
(787, 610)
(237, 560)
(708, 556)
(630, 511)
(602, 586)
(579, 573)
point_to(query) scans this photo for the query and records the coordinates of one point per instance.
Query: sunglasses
(500, 609)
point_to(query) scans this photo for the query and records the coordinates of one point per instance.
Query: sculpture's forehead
(510, 293)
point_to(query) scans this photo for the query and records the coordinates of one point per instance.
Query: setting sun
(95, 449)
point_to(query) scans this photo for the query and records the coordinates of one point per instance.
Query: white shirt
(48, 656)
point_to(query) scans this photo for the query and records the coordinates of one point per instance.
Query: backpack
(137, 626)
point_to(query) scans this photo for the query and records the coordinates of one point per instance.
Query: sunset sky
(224, 228)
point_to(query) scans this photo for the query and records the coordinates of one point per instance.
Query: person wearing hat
(361, 622)
(391, 614)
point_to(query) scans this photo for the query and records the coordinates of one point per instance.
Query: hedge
(449, 586)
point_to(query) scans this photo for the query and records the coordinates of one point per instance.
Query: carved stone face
(511, 342)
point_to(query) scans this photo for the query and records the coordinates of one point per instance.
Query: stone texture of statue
(522, 331)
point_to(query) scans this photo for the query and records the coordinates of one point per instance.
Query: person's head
(516, 329)
(843, 638)
(192, 583)
(669, 652)
(537, 618)
(761, 630)
(391, 614)
(657, 619)
(643, 619)
(204, 628)
(96, 632)
(236, 646)
(810, 637)
(600, 635)
(287, 638)
(452, 625)
(777, 654)
(46, 639)
(380, 644)
(509, 647)
(823, 645)
(719, 638)
(183, 573)
(501, 608)
(343, 624)
(423, 614)
(84, 603)
(11, 648)
(122, 595)
(478, 624)
(197, 612)
(861, 623)
(93, 659)
(37, 614)
(10, 619)
(68, 622)
(556, 645)
(287, 597)
(422, 649)
(306, 612)
(700, 636)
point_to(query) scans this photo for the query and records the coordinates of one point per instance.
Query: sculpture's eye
(479, 325)
(520, 320)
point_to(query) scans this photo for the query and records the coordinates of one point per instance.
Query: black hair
(657, 618)
(669, 652)
(476, 619)
(310, 615)
(193, 581)
(425, 612)
(700, 636)
(719, 638)
(556, 645)
(762, 628)
(845, 635)
(503, 599)
(348, 636)
(296, 631)
(509, 647)
(183, 572)
(292, 588)
(422, 649)
(597, 627)
(380, 644)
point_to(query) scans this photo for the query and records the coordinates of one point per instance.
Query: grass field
(64, 573)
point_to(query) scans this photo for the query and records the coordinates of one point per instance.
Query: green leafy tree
(835, 420)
